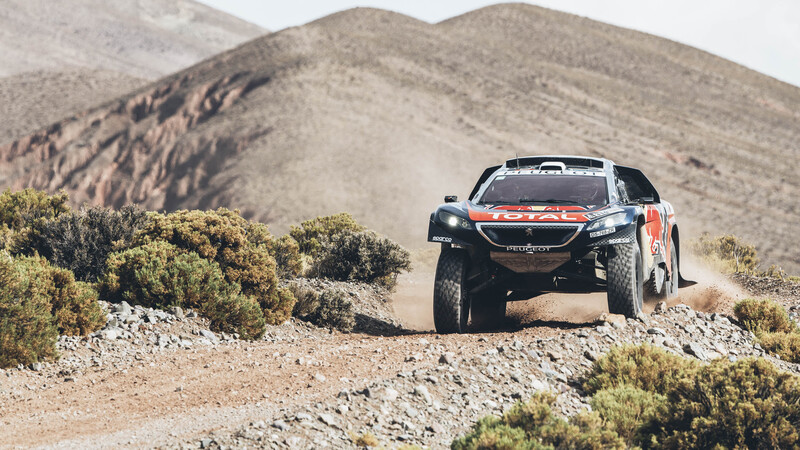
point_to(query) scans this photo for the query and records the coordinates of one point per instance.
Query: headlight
(453, 221)
(608, 222)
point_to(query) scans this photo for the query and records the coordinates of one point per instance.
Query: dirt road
(165, 397)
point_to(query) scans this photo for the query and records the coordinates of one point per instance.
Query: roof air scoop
(552, 166)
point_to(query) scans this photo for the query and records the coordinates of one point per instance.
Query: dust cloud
(413, 298)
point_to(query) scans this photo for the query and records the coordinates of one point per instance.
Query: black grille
(527, 235)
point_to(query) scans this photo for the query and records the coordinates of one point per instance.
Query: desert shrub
(23, 214)
(37, 302)
(24, 208)
(334, 310)
(728, 253)
(73, 305)
(625, 408)
(763, 316)
(27, 330)
(642, 366)
(785, 345)
(364, 440)
(236, 245)
(81, 241)
(159, 275)
(235, 314)
(362, 256)
(746, 404)
(312, 234)
(289, 263)
(533, 425)
(490, 433)
(306, 300)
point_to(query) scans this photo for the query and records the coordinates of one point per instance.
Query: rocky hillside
(379, 114)
(59, 58)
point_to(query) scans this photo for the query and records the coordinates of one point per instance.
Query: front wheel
(625, 280)
(450, 297)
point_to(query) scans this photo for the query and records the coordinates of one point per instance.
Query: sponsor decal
(620, 241)
(526, 248)
(522, 215)
(442, 239)
(603, 213)
(595, 234)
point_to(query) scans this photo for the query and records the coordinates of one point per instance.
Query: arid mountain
(62, 57)
(141, 38)
(381, 115)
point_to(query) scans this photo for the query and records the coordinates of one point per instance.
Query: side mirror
(450, 198)
(647, 200)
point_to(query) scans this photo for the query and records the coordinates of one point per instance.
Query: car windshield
(546, 189)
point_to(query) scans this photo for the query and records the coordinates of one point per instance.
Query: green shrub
(235, 314)
(22, 209)
(37, 302)
(335, 310)
(625, 408)
(533, 425)
(747, 404)
(763, 316)
(81, 241)
(785, 345)
(642, 366)
(24, 213)
(73, 305)
(236, 245)
(728, 253)
(312, 234)
(490, 433)
(362, 256)
(160, 275)
(27, 330)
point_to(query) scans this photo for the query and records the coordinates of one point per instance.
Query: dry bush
(642, 366)
(37, 302)
(81, 241)
(728, 253)
(785, 345)
(312, 234)
(286, 251)
(763, 316)
(746, 404)
(24, 213)
(27, 330)
(362, 256)
(365, 440)
(533, 425)
(625, 408)
(335, 310)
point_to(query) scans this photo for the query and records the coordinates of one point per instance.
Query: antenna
(517, 155)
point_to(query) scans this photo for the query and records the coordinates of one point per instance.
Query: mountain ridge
(380, 114)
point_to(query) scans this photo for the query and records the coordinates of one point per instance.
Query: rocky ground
(163, 379)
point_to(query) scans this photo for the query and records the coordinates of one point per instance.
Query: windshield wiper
(549, 200)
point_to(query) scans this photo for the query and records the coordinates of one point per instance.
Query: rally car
(552, 223)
